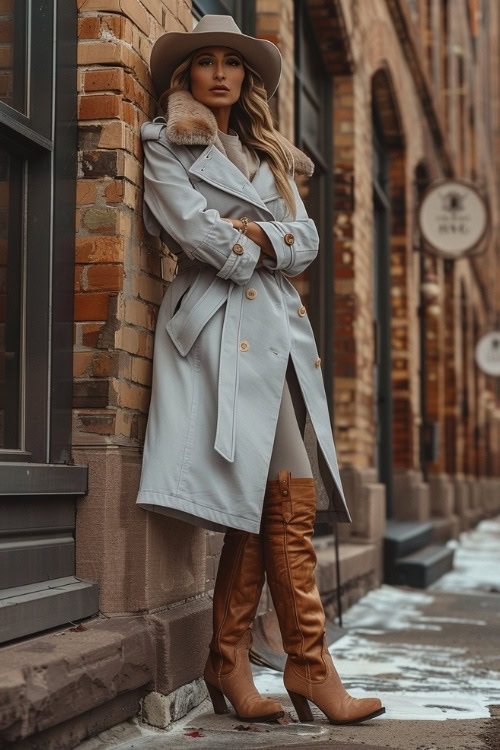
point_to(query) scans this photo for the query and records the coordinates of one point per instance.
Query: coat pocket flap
(195, 312)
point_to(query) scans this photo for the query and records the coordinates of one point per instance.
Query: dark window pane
(243, 11)
(11, 257)
(13, 53)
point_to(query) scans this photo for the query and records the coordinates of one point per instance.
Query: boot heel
(217, 698)
(301, 705)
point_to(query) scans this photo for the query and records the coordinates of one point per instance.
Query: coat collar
(211, 164)
(191, 123)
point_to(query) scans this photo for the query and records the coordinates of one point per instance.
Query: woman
(234, 352)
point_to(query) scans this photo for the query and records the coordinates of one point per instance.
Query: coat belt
(185, 327)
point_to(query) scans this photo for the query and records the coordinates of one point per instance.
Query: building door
(38, 486)
(382, 313)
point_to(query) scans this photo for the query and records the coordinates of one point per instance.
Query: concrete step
(403, 537)
(421, 568)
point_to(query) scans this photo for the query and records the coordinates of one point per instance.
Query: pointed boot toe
(356, 710)
(239, 689)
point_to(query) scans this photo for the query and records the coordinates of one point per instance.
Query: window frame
(45, 136)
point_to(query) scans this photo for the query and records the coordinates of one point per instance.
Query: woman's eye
(234, 62)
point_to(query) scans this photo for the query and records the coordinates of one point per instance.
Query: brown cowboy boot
(238, 586)
(287, 529)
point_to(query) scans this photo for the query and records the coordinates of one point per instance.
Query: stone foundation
(411, 496)
(141, 560)
(366, 501)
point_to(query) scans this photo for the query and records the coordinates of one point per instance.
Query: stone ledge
(53, 678)
(58, 677)
(111, 716)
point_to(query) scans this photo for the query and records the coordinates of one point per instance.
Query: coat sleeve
(182, 211)
(302, 235)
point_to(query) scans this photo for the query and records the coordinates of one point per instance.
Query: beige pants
(289, 451)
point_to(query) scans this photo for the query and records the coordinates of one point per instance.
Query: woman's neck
(221, 115)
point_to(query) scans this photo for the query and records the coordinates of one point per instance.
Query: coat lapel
(190, 123)
(215, 168)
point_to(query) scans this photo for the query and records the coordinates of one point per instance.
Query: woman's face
(216, 76)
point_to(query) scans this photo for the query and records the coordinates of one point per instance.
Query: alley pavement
(432, 656)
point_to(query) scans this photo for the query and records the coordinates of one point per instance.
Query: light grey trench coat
(224, 335)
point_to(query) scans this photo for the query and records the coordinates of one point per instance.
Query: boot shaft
(290, 558)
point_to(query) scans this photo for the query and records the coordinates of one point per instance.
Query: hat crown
(217, 23)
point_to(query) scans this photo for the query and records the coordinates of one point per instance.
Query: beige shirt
(240, 155)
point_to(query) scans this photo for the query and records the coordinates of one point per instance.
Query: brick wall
(118, 285)
(378, 54)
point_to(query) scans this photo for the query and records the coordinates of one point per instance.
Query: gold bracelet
(244, 219)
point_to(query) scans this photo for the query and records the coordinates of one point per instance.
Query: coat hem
(201, 513)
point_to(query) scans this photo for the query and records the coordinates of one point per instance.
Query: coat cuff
(239, 267)
(276, 233)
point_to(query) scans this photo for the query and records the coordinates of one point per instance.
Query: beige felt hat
(172, 48)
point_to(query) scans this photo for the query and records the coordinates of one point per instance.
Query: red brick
(90, 334)
(102, 277)
(99, 107)
(106, 364)
(88, 27)
(86, 192)
(99, 249)
(91, 306)
(114, 192)
(111, 79)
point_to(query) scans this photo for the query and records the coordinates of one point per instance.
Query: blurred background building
(386, 96)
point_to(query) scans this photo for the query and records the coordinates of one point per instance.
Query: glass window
(13, 54)
(11, 287)
(243, 11)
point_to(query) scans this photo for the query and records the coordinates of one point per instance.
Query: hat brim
(173, 47)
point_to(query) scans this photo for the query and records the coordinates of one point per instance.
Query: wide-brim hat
(173, 47)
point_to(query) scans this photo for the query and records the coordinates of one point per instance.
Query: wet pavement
(433, 656)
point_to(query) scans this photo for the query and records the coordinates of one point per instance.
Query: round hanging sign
(453, 218)
(488, 353)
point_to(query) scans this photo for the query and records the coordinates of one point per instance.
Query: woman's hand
(257, 235)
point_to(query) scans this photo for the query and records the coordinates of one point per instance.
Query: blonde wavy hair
(252, 119)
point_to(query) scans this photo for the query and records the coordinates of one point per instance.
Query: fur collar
(191, 123)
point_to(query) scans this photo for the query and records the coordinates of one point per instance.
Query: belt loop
(286, 494)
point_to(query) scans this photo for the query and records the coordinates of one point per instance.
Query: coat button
(238, 249)
(244, 346)
(289, 238)
(301, 311)
(251, 293)
(317, 363)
